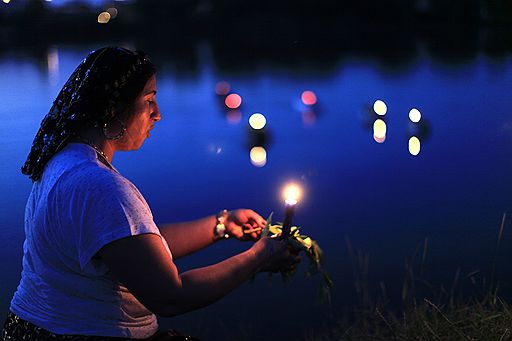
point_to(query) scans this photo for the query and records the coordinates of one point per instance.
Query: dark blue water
(378, 196)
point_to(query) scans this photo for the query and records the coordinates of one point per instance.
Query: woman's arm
(143, 265)
(187, 237)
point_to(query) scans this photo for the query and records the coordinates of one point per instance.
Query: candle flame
(292, 193)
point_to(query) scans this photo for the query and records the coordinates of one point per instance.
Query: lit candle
(291, 195)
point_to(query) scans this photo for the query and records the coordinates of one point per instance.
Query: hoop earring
(117, 136)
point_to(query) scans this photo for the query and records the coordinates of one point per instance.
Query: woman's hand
(244, 224)
(280, 255)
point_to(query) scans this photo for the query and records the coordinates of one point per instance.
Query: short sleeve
(112, 208)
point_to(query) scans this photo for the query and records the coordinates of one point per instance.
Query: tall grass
(425, 312)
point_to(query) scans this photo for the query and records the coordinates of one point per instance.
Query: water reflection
(53, 65)
(258, 156)
(414, 145)
(379, 130)
(309, 116)
(234, 116)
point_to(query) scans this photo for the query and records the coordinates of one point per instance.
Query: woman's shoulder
(80, 168)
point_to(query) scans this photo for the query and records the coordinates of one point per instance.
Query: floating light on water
(308, 97)
(113, 12)
(258, 156)
(414, 145)
(6, 1)
(379, 128)
(233, 101)
(257, 121)
(380, 107)
(222, 88)
(103, 17)
(415, 115)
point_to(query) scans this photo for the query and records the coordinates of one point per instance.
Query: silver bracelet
(220, 229)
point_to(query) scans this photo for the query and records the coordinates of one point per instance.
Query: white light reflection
(6, 1)
(379, 131)
(103, 17)
(380, 107)
(414, 145)
(379, 128)
(53, 65)
(415, 115)
(257, 121)
(258, 156)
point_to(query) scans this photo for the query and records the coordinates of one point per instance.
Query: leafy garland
(301, 242)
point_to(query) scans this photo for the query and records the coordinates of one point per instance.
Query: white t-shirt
(77, 207)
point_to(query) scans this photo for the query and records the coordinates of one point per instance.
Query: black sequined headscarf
(105, 84)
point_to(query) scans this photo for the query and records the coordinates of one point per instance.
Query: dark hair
(105, 84)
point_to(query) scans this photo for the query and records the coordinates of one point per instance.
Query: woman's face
(141, 118)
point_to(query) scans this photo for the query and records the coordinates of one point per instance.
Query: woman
(95, 265)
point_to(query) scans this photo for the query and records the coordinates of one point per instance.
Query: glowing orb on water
(380, 107)
(308, 97)
(103, 17)
(233, 101)
(415, 115)
(257, 121)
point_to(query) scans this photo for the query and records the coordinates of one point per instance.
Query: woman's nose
(156, 113)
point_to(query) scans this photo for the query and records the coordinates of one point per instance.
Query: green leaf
(264, 233)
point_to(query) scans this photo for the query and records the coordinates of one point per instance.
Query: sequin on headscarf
(104, 80)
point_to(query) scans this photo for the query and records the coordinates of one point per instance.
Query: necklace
(96, 148)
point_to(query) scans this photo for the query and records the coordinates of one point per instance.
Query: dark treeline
(244, 35)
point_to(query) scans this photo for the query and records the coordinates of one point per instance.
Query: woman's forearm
(187, 237)
(203, 286)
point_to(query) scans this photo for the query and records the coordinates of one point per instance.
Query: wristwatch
(220, 228)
